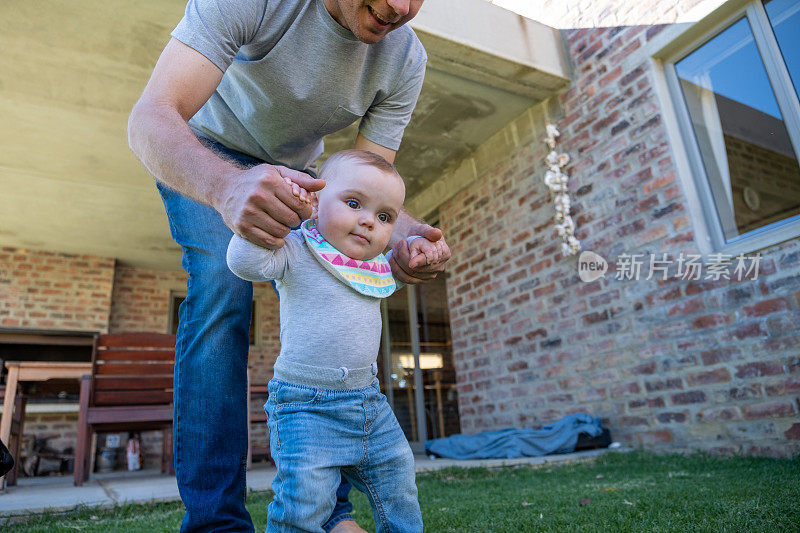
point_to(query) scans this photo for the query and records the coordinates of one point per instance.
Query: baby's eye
(383, 217)
(352, 204)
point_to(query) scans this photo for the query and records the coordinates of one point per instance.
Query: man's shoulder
(404, 38)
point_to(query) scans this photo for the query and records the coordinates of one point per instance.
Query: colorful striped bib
(370, 278)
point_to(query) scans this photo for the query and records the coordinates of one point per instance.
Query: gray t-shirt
(293, 75)
(324, 323)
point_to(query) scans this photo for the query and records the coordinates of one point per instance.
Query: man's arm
(403, 268)
(255, 203)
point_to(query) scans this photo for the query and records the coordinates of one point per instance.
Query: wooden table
(33, 371)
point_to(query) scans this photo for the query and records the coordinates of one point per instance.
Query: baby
(326, 414)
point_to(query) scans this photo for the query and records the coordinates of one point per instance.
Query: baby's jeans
(318, 435)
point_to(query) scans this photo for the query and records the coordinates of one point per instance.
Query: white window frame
(672, 45)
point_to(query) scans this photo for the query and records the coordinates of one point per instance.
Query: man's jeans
(210, 417)
(318, 434)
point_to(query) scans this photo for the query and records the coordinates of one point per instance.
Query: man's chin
(368, 37)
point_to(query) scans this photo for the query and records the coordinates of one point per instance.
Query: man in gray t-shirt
(239, 100)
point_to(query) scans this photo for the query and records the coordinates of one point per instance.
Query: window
(736, 97)
(177, 300)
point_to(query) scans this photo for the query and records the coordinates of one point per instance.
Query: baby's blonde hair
(363, 157)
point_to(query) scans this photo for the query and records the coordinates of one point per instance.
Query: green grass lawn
(617, 492)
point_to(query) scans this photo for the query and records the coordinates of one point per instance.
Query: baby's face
(358, 209)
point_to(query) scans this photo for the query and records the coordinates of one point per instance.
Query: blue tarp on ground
(559, 437)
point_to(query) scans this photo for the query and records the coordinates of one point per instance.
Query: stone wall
(675, 364)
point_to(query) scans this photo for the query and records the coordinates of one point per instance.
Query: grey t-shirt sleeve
(385, 122)
(218, 28)
(254, 263)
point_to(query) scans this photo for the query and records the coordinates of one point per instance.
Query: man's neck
(333, 8)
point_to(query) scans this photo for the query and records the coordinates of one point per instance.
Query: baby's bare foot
(347, 526)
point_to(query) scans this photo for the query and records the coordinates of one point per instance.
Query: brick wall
(141, 302)
(141, 299)
(675, 364)
(53, 291)
(50, 291)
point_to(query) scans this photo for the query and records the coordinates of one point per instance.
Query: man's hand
(417, 269)
(259, 204)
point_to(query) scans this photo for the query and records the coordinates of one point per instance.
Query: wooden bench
(129, 389)
(258, 395)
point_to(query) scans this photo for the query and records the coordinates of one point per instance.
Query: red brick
(626, 389)
(768, 410)
(787, 386)
(572, 382)
(767, 307)
(610, 77)
(685, 398)
(632, 421)
(670, 383)
(668, 418)
(648, 368)
(632, 75)
(754, 370)
(656, 299)
(687, 308)
(654, 438)
(659, 182)
(719, 355)
(793, 433)
(593, 394)
(746, 331)
(656, 402)
(709, 321)
(719, 414)
(518, 365)
(604, 122)
(586, 54)
(746, 392)
(719, 375)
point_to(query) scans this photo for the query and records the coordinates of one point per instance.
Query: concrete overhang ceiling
(71, 71)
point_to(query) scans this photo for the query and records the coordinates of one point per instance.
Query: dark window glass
(784, 15)
(749, 159)
(436, 361)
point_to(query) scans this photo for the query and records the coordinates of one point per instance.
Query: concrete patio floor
(57, 494)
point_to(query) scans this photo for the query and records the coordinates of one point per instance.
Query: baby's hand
(427, 252)
(300, 192)
(304, 196)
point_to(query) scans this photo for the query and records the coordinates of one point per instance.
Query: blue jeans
(210, 390)
(319, 434)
